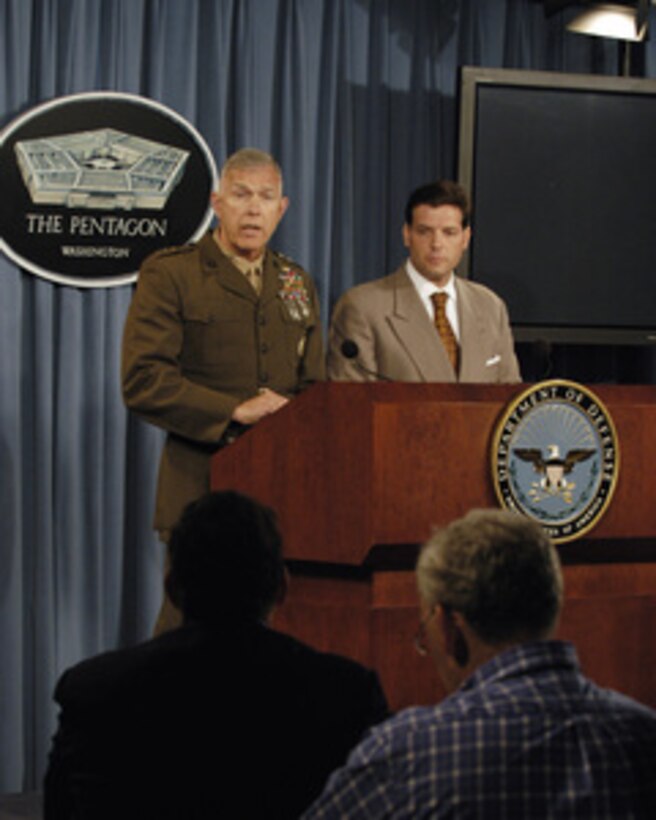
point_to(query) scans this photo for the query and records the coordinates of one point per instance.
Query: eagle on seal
(554, 467)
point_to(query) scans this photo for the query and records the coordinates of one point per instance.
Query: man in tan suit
(220, 333)
(423, 323)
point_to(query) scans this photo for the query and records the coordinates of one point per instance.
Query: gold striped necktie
(444, 328)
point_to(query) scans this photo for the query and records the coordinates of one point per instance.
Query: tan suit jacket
(198, 341)
(397, 339)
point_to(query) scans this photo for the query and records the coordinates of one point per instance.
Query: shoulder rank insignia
(174, 250)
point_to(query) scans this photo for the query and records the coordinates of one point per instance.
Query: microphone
(350, 350)
(542, 354)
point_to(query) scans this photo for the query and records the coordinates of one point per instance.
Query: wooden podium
(360, 473)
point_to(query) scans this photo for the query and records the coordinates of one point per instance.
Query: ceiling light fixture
(611, 20)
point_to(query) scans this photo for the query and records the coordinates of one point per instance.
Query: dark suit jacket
(198, 341)
(237, 722)
(396, 338)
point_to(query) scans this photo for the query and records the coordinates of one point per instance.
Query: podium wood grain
(359, 474)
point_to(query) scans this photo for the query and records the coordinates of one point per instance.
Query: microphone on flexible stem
(350, 350)
(543, 355)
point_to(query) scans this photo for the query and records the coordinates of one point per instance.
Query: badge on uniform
(294, 294)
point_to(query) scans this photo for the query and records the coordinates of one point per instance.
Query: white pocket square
(493, 360)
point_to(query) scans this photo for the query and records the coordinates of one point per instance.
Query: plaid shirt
(526, 736)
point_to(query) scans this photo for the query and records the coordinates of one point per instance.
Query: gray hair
(499, 570)
(246, 158)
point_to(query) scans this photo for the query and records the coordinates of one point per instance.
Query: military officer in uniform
(220, 333)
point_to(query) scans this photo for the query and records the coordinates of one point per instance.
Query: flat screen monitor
(561, 169)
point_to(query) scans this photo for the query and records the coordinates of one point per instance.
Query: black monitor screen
(562, 175)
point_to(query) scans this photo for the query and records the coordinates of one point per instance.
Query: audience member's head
(486, 582)
(226, 559)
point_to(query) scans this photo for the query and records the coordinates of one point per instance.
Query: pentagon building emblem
(95, 182)
(555, 458)
(100, 169)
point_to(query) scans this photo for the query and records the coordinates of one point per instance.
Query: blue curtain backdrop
(357, 98)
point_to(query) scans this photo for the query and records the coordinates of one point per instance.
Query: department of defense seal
(555, 458)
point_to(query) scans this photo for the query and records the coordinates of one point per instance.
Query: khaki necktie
(254, 276)
(444, 328)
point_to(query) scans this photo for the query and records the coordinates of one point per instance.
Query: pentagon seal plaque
(95, 182)
(555, 458)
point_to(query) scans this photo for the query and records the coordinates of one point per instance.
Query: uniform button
(262, 320)
(264, 347)
(264, 378)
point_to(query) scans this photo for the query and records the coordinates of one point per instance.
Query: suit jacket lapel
(416, 333)
(270, 278)
(470, 332)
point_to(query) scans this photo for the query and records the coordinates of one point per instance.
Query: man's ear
(173, 591)
(455, 642)
(215, 201)
(284, 587)
(281, 594)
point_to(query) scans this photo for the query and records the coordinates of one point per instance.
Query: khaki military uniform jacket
(397, 339)
(198, 341)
